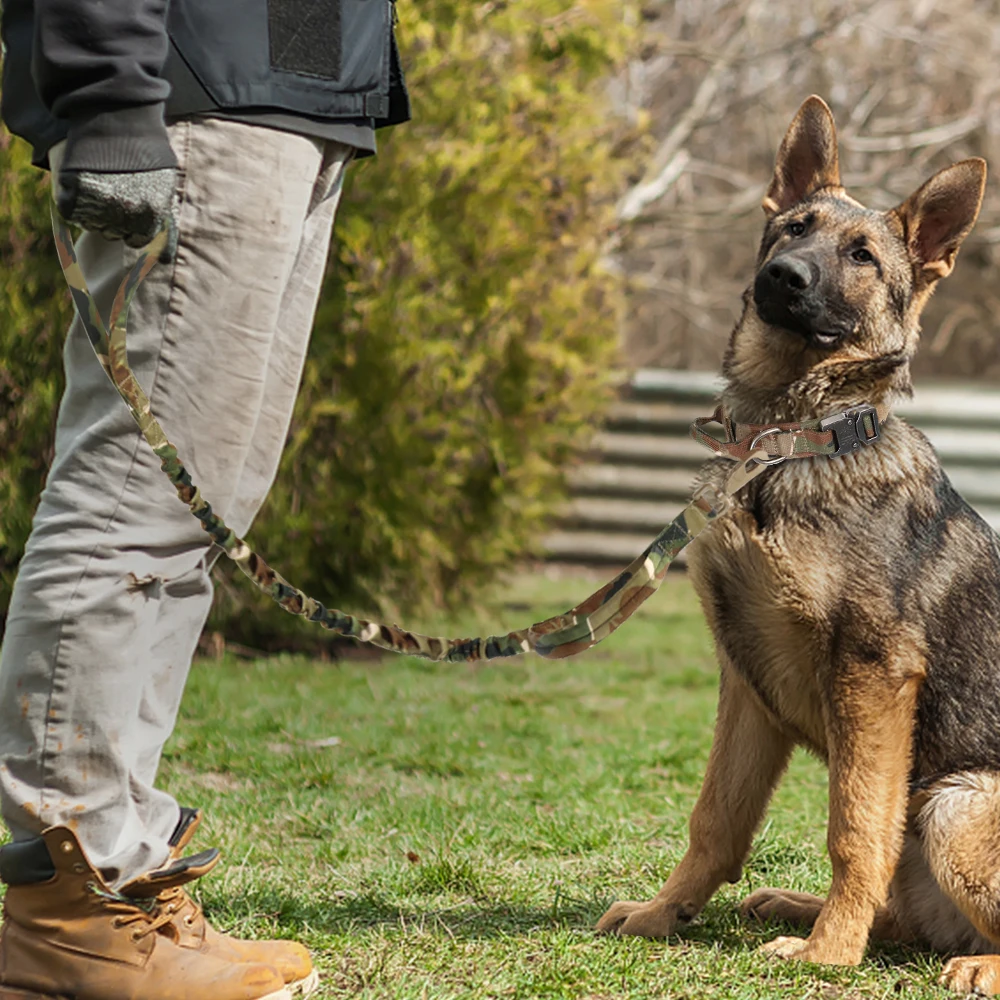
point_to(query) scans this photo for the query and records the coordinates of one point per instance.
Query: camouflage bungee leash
(563, 635)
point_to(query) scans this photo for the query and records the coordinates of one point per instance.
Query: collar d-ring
(753, 446)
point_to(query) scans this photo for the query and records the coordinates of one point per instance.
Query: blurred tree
(913, 87)
(34, 312)
(464, 346)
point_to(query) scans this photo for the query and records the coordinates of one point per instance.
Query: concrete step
(956, 446)
(965, 406)
(633, 481)
(933, 410)
(598, 547)
(933, 403)
(673, 485)
(631, 516)
(646, 517)
(635, 416)
(644, 461)
(649, 449)
(621, 544)
(979, 486)
(965, 445)
(660, 383)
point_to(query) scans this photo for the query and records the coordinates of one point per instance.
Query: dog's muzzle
(786, 294)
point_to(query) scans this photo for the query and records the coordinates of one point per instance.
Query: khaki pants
(114, 589)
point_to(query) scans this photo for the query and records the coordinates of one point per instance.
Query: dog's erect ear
(807, 159)
(940, 214)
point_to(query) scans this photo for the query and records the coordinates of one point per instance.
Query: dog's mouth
(825, 339)
(799, 318)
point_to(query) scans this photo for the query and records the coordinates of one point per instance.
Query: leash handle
(562, 635)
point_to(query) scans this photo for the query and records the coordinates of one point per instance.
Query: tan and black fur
(855, 601)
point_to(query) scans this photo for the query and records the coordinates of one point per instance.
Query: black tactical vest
(323, 58)
(326, 59)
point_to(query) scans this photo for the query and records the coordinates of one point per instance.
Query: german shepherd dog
(854, 601)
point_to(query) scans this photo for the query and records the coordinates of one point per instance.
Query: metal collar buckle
(852, 428)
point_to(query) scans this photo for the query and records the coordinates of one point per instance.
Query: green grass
(468, 825)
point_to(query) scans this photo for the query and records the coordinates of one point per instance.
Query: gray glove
(126, 206)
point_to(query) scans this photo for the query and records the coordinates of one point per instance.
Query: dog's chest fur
(828, 565)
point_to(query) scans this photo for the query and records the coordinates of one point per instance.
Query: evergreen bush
(463, 350)
(34, 312)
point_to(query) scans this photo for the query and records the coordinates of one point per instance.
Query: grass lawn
(434, 831)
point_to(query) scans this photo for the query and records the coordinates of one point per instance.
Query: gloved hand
(132, 206)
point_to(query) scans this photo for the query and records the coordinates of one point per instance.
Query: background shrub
(464, 346)
(34, 312)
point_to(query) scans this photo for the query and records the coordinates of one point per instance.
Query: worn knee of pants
(113, 589)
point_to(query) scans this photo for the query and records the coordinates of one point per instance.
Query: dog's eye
(862, 256)
(796, 228)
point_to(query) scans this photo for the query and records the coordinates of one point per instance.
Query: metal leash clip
(712, 500)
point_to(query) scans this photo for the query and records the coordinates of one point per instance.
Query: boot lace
(177, 902)
(144, 913)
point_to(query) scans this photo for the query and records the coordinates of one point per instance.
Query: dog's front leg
(748, 756)
(870, 731)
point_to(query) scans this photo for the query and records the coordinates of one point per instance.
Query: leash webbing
(563, 635)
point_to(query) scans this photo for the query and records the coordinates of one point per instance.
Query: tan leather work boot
(192, 930)
(67, 936)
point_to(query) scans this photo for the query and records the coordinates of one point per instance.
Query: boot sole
(13, 993)
(301, 988)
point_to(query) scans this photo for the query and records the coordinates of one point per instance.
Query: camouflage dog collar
(563, 635)
(841, 433)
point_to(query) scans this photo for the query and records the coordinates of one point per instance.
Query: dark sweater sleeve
(97, 66)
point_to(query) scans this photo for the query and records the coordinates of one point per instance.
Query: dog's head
(839, 288)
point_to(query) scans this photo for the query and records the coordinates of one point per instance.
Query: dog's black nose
(785, 277)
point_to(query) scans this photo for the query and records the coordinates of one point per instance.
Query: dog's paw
(787, 947)
(781, 904)
(973, 974)
(811, 950)
(647, 920)
(761, 905)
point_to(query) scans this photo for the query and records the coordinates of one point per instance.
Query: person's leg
(113, 588)
(246, 492)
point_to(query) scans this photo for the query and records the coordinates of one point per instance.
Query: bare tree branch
(912, 86)
(642, 195)
(937, 136)
(668, 161)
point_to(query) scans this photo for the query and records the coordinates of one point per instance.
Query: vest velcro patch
(305, 37)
